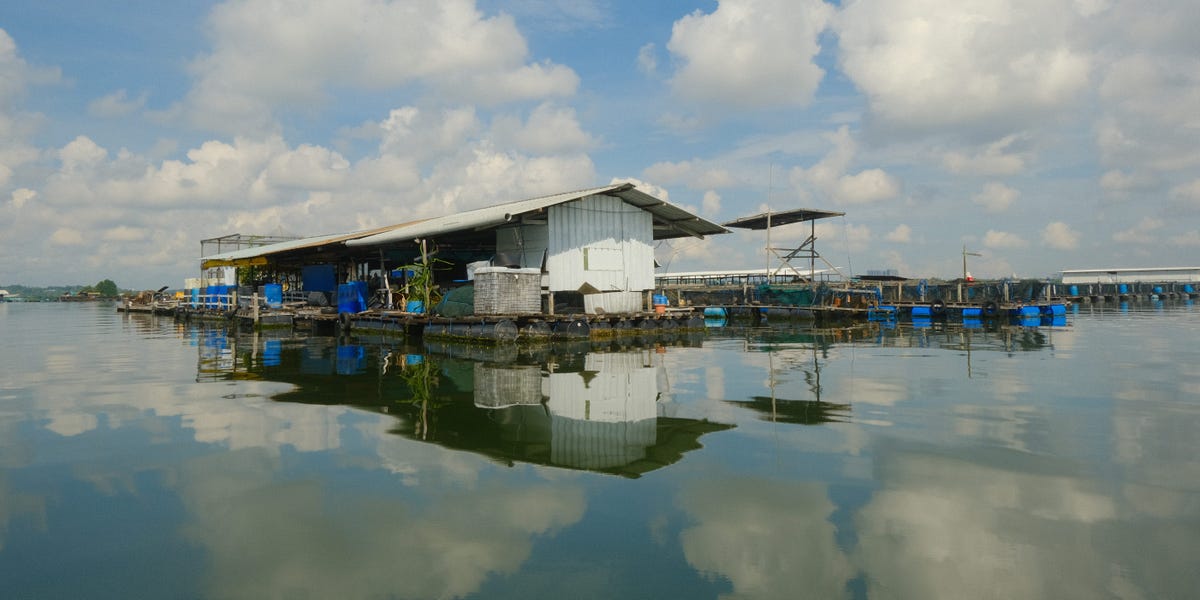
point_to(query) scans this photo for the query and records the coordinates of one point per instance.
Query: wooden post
(429, 276)
(254, 312)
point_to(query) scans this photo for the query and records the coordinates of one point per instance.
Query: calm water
(140, 458)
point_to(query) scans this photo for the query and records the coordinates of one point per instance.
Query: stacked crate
(504, 291)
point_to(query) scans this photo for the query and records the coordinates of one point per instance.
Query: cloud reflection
(1003, 524)
(770, 539)
(268, 537)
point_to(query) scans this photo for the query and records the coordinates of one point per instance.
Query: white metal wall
(600, 243)
(613, 302)
(1189, 274)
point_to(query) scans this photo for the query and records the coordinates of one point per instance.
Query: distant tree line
(106, 288)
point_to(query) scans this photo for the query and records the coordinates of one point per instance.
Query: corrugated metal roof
(670, 221)
(783, 217)
(308, 242)
(1127, 270)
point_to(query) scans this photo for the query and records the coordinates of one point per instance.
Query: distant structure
(1152, 274)
(806, 250)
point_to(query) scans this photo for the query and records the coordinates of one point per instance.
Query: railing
(228, 301)
(214, 301)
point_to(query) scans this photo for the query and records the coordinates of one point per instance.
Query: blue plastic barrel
(714, 311)
(1158, 289)
(1187, 287)
(920, 311)
(1058, 309)
(972, 312)
(660, 299)
(195, 297)
(1029, 311)
(415, 306)
(360, 294)
(1074, 290)
(1123, 289)
(352, 297)
(274, 295)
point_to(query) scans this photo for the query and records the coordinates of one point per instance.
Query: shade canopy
(785, 217)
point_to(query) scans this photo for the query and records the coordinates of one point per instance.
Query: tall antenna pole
(965, 255)
(964, 277)
(770, 185)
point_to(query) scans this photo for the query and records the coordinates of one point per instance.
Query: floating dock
(489, 328)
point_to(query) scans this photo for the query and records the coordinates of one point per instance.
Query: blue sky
(1045, 135)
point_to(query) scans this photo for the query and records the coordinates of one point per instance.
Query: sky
(1041, 134)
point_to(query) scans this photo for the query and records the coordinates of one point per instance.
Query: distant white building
(1151, 275)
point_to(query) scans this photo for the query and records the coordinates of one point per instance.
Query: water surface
(140, 457)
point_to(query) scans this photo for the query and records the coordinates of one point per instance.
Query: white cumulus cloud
(116, 104)
(829, 176)
(902, 234)
(711, 204)
(268, 54)
(1187, 194)
(996, 197)
(997, 158)
(1060, 236)
(750, 53)
(1000, 240)
(66, 236)
(1141, 233)
(935, 66)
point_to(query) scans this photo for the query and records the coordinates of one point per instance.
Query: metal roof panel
(783, 217)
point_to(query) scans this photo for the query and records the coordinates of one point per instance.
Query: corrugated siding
(618, 233)
(612, 302)
(1151, 275)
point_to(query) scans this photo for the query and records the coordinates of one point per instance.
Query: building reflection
(586, 406)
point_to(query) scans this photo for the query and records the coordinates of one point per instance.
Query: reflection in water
(979, 460)
(585, 406)
(790, 347)
(269, 538)
(769, 539)
(1011, 525)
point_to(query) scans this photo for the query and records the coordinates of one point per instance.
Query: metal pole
(812, 252)
(768, 249)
